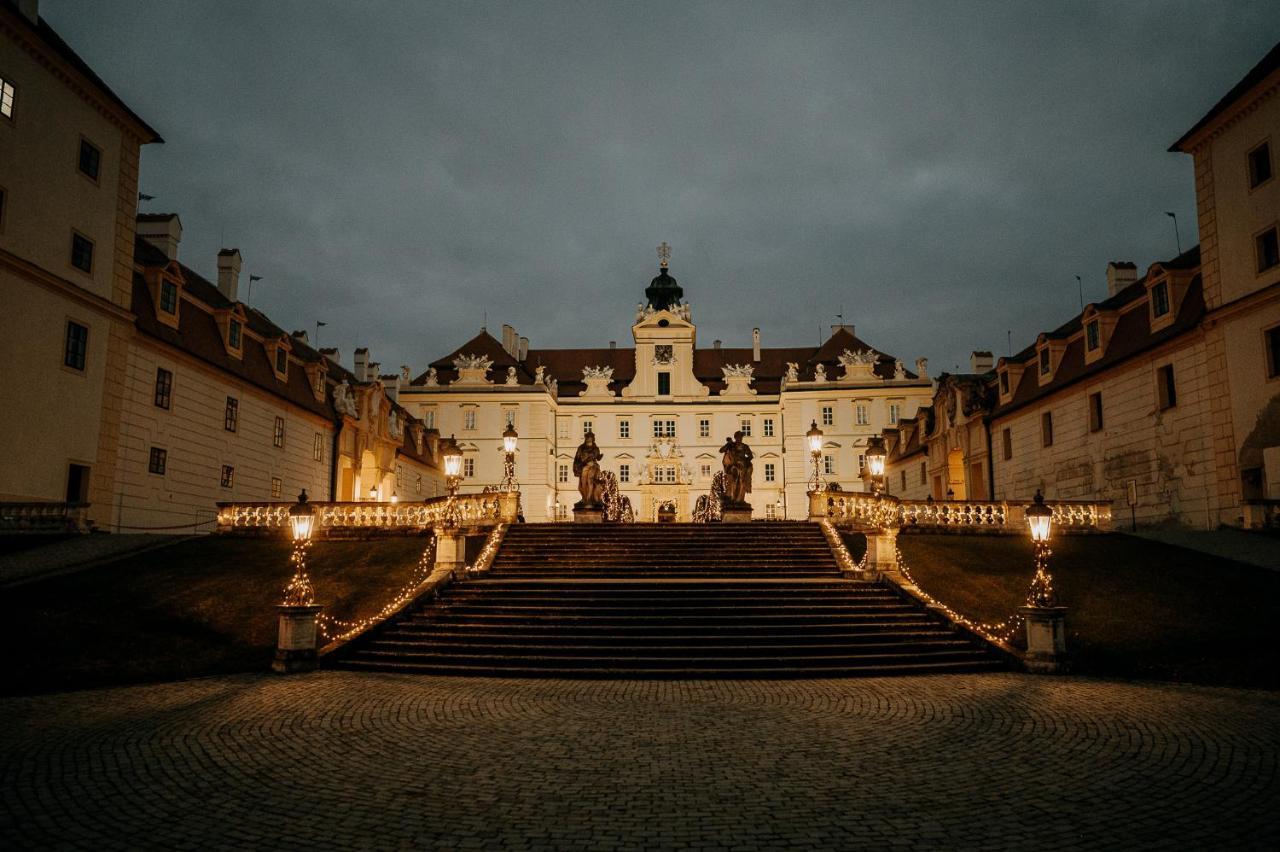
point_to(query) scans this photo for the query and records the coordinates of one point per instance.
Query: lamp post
(875, 457)
(296, 637)
(451, 454)
(510, 439)
(1046, 630)
(450, 546)
(814, 437)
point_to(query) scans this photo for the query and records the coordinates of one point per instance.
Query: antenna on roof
(485, 326)
(1080, 286)
(1009, 338)
(1176, 236)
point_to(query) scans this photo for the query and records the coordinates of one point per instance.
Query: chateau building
(1165, 397)
(662, 409)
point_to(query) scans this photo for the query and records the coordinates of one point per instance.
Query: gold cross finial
(664, 255)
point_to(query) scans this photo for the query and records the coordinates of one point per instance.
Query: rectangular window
(664, 384)
(1046, 429)
(1160, 299)
(562, 428)
(77, 345)
(82, 252)
(924, 473)
(861, 414)
(468, 467)
(904, 479)
(1093, 336)
(510, 418)
(228, 476)
(745, 425)
(768, 427)
(168, 297)
(586, 427)
(562, 473)
(90, 159)
(770, 472)
(828, 416)
(157, 461)
(704, 428)
(277, 487)
(1095, 412)
(231, 418)
(317, 449)
(1004, 382)
(706, 471)
(1268, 247)
(277, 434)
(862, 463)
(468, 418)
(1272, 337)
(669, 473)
(1006, 442)
(282, 361)
(233, 334)
(624, 428)
(1045, 362)
(828, 465)
(1259, 165)
(429, 418)
(894, 410)
(624, 473)
(1166, 390)
(6, 98)
(164, 388)
(664, 428)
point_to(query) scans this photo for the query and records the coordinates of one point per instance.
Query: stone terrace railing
(869, 511)
(473, 510)
(43, 517)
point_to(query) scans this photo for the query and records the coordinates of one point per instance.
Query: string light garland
(339, 629)
(842, 553)
(1041, 593)
(999, 631)
(299, 592)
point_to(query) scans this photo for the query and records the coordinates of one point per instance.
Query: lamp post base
(1046, 638)
(296, 639)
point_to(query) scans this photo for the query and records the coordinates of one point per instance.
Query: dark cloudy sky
(941, 172)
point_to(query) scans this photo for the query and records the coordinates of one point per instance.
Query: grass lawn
(199, 607)
(1137, 608)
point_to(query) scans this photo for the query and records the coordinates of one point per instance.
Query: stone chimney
(371, 371)
(715, 344)
(362, 364)
(1120, 274)
(162, 230)
(524, 349)
(332, 355)
(836, 328)
(980, 361)
(755, 344)
(613, 344)
(30, 10)
(301, 337)
(229, 273)
(509, 339)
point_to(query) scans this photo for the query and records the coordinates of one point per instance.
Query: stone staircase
(666, 600)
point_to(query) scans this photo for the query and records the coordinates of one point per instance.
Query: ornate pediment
(473, 369)
(737, 380)
(858, 366)
(597, 381)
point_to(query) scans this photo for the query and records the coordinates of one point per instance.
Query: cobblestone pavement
(348, 760)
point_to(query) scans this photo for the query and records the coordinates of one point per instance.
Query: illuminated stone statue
(586, 466)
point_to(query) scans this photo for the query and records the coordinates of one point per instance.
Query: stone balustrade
(43, 517)
(470, 510)
(883, 512)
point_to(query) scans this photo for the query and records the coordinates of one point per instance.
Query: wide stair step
(672, 600)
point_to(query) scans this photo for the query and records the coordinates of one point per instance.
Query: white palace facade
(662, 409)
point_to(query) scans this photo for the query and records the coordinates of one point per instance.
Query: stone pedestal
(588, 516)
(817, 505)
(736, 514)
(450, 551)
(509, 506)
(1046, 638)
(882, 553)
(296, 639)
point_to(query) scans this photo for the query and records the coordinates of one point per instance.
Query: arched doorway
(955, 475)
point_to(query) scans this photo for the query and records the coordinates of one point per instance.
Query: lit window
(1045, 363)
(704, 428)
(6, 98)
(90, 159)
(228, 476)
(468, 467)
(282, 360)
(769, 472)
(624, 473)
(231, 417)
(768, 427)
(82, 252)
(624, 428)
(77, 346)
(828, 465)
(664, 428)
(1165, 387)
(1268, 248)
(860, 411)
(1092, 337)
(168, 297)
(745, 426)
(828, 415)
(664, 384)
(164, 388)
(317, 450)
(1095, 412)
(706, 471)
(233, 334)
(1259, 165)
(669, 473)
(469, 419)
(1006, 440)
(562, 473)
(894, 408)
(277, 487)
(157, 462)
(1160, 299)
(1046, 429)
(277, 435)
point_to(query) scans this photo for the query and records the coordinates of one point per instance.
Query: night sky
(938, 172)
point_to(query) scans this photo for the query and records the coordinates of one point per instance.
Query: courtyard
(338, 760)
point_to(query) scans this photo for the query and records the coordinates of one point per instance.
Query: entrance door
(77, 483)
(955, 475)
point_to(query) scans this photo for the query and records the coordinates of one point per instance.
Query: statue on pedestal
(586, 466)
(737, 471)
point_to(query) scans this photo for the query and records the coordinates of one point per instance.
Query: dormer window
(282, 361)
(1092, 336)
(664, 384)
(1046, 362)
(1004, 382)
(1160, 299)
(169, 297)
(234, 329)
